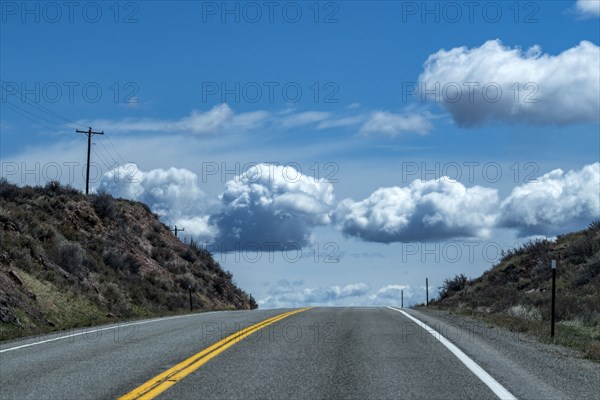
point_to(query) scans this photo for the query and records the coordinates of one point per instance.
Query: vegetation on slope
(69, 260)
(517, 291)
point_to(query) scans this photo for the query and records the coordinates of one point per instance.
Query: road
(318, 353)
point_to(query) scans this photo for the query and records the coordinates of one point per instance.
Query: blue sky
(201, 95)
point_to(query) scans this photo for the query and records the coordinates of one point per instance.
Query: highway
(316, 353)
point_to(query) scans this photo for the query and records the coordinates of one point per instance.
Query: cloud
(271, 206)
(171, 193)
(423, 211)
(588, 8)
(286, 294)
(392, 295)
(528, 87)
(218, 119)
(222, 119)
(557, 202)
(391, 124)
(303, 118)
(341, 122)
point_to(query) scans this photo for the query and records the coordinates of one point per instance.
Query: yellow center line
(168, 378)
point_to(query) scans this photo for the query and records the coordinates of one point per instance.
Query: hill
(70, 260)
(517, 291)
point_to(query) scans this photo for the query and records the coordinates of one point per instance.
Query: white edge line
(486, 378)
(85, 332)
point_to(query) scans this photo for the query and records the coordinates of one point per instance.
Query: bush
(161, 254)
(186, 281)
(528, 313)
(54, 188)
(70, 256)
(189, 255)
(104, 205)
(119, 262)
(453, 285)
(115, 299)
(8, 190)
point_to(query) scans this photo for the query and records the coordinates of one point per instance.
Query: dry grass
(70, 260)
(516, 293)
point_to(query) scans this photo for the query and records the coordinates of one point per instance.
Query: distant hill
(69, 260)
(517, 291)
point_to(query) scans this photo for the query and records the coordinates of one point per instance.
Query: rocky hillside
(517, 291)
(69, 260)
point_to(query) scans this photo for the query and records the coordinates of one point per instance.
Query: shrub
(528, 313)
(104, 205)
(595, 225)
(70, 256)
(161, 254)
(54, 188)
(452, 285)
(189, 255)
(120, 262)
(116, 301)
(186, 281)
(580, 249)
(8, 190)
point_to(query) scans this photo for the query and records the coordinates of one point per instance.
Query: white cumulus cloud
(556, 203)
(171, 193)
(588, 8)
(498, 83)
(271, 206)
(422, 211)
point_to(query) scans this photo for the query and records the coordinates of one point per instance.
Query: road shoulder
(528, 368)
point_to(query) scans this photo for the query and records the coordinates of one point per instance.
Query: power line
(114, 147)
(39, 107)
(21, 112)
(52, 125)
(108, 152)
(101, 156)
(14, 108)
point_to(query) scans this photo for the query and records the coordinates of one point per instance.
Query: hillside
(69, 260)
(517, 291)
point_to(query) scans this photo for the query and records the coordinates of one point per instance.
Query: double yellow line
(162, 382)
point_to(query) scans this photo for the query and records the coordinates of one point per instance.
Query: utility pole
(553, 266)
(426, 292)
(176, 229)
(89, 134)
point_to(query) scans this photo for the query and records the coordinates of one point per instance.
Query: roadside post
(190, 289)
(553, 266)
(426, 292)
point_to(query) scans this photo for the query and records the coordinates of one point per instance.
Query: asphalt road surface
(318, 353)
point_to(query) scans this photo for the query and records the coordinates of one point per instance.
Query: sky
(327, 153)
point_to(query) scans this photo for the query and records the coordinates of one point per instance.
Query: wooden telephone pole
(89, 134)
